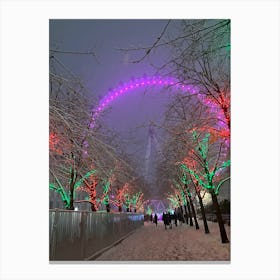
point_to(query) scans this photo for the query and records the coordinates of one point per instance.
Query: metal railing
(77, 235)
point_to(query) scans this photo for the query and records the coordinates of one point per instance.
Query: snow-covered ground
(182, 243)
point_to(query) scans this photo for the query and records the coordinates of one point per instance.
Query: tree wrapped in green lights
(174, 200)
(64, 191)
(149, 210)
(137, 201)
(206, 169)
(105, 199)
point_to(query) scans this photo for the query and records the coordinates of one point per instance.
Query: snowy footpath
(181, 243)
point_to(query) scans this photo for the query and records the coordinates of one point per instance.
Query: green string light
(149, 210)
(87, 175)
(60, 190)
(65, 196)
(184, 197)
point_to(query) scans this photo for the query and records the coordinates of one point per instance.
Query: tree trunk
(186, 213)
(71, 188)
(108, 207)
(206, 229)
(190, 214)
(223, 233)
(194, 214)
(182, 213)
(93, 208)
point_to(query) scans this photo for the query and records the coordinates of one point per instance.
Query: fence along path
(77, 235)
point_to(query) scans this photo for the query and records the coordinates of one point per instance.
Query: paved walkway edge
(100, 252)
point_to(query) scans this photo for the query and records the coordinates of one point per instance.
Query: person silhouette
(165, 219)
(169, 220)
(155, 219)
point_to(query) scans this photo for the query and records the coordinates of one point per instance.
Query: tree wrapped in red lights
(126, 196)
(200, 56)
(206, 63)
(89, 187)
(120, 196)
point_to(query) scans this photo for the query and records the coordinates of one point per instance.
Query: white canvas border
(24, 137)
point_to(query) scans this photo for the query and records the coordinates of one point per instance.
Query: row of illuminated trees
(203, 169)
(84, 163)
(197, 149)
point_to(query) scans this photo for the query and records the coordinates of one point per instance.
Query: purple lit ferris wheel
(144, 82)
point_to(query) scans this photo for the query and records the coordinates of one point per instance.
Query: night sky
(129, 116)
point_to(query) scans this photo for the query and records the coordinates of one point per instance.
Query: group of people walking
(167, 218)
(154, 219)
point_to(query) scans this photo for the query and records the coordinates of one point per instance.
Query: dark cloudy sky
(104, 37)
